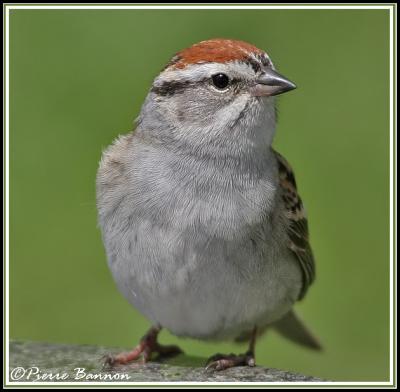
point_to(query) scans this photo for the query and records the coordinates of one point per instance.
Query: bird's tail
(291, 327)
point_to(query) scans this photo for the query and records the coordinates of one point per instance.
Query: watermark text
(79, 374)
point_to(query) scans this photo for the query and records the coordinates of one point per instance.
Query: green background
(77, 80)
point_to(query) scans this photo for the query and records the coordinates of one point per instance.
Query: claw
(217, 365)
(147, 346)
(211, 366)
(221, 362)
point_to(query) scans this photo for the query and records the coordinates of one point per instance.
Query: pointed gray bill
(271, 83)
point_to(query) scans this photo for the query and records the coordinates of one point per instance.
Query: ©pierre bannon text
(79, 374)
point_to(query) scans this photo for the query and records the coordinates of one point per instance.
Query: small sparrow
(204, 230)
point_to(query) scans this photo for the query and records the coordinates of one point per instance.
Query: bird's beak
(271, 83)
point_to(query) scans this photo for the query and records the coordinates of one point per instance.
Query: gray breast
(195, 247)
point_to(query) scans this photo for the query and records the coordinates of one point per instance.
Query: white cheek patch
(232, 111)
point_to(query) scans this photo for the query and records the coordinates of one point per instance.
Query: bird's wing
(290, 325)
(298, 226)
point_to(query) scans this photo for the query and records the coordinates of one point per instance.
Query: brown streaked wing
(298, 226)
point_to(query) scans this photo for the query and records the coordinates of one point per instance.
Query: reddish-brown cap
(214, 50)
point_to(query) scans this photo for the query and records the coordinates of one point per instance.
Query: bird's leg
(225, 361)
(147, 346)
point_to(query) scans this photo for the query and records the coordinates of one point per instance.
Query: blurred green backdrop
(78, 78)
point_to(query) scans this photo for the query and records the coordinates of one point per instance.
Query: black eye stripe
(171, 88)
(177, 87)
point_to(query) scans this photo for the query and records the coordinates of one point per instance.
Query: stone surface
(31, 361)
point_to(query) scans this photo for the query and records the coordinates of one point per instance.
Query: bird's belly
(203, 287)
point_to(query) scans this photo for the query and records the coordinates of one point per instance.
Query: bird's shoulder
(297, 228)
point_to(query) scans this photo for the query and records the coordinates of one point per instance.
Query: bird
(202, 224)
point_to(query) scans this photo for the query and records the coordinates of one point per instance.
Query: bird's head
(213, 90)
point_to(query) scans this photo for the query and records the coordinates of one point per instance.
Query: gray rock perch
(31, 361)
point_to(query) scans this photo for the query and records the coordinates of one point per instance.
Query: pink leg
(226, 361)
(147, 345)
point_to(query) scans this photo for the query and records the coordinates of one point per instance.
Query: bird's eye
(220, 81)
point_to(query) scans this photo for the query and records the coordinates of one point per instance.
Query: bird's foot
(146, 347)
(226, 361)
